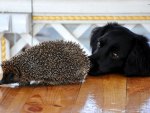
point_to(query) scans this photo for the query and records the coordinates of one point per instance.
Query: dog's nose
(91, 57)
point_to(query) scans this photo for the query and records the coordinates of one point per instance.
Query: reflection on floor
(103, 94)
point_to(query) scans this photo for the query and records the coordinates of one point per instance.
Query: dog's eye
(114, 55)
(100, 44)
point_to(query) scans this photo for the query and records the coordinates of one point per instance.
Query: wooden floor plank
(19, 100)
(6, 97)
(90, 98)
(138, 95)
(101, 94)
(57, 99)
(12, 99)
(114, 94)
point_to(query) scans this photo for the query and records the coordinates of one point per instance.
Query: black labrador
(116, 49)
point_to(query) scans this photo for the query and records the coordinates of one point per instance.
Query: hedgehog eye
(7, 78)
(10, 77)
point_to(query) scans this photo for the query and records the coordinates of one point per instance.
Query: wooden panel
(90, 98)
(138, 95)
(12, 100)
(23, 6)
(114, 94)
(57, 99)
(75, 6)
(90, 6)
(102, 94)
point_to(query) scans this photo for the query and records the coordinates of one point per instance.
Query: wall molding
(38, 18)
(3, 48)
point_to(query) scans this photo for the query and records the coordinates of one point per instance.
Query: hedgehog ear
(4, 65)
(137, 62)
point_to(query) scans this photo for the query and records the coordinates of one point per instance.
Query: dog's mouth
(93, 65)
(93, 68)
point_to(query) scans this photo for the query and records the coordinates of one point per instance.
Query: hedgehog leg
(24, 83)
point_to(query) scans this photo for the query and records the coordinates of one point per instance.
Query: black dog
(115, 49)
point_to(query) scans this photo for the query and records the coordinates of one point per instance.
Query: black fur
(116, 49)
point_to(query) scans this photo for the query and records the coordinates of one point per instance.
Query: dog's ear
(95, 34)
(138, 61)
(100, 31)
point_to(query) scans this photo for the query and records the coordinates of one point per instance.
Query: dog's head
(117, 49)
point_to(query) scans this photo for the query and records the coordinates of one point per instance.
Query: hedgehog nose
(1, 82)
(1, 75)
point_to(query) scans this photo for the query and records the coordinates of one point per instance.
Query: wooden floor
(103, 94)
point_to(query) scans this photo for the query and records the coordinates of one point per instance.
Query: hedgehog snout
(7, 78)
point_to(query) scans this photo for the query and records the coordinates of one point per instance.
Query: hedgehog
(49, 63)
